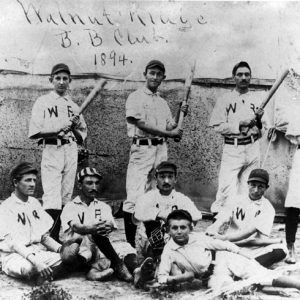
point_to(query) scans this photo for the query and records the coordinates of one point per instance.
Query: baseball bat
(272, 91)
(187, 91)
(91, 96)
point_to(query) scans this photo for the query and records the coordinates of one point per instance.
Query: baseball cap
(179, 214)
(166, 166)
(155, 63)
(241, 64)
(260, 175)
(88, 171)
(60, 68)
(21, 169)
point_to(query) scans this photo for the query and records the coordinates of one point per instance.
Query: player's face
(26, 185)
(90, 186)
(256, 189)
(61, 82)
(154, 76)
(166, 182)
(242, 78)
(179, 231)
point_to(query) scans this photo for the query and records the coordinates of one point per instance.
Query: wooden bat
(91, 96)
(272, 91)
(187, 90)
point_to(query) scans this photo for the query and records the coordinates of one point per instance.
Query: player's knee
(69, 253)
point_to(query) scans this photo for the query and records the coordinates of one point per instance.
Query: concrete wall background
(198, 154)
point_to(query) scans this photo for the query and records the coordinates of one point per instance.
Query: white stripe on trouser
(142, 160)
(236, 164)
(58, 171)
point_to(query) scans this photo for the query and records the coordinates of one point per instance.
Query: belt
(148, 142)
(241, 141)
(53, 141)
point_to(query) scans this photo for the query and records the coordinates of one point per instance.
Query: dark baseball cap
(166, 166)
(179, 214)
(155, 63)
(241, 64)
(259, 175)
(21, 169)
(88, 171)
(60, 68)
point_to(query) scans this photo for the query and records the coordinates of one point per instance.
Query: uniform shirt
(79, 212)
(25, 222)
(245, 213)
(194, 256)
(51, 112)
(150, 108)
(150, 204)
(234, 107)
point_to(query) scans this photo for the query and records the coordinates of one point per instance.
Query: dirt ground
(79, 288)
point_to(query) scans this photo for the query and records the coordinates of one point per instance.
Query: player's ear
(15, 181)
(51, 79)
(70, 79)
(164, 77)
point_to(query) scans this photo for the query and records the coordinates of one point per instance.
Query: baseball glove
(157, 238)
(69, 251)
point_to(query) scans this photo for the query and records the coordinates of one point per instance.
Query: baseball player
(90, 220)
(27, 250)
(249, 222)
(292, 201)
(237, 118)
(189, 255)
(149, 124)
(153, 207)
(55, 123)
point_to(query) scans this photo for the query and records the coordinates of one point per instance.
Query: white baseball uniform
(195, 256)
(24, 223)
(247, 213)
(78, 211)
(59, 162)
(237, 159)
(150, 204)
(154, 110)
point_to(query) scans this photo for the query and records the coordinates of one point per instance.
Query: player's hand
(259, 113)
(42, 269)
(100, 227)
(176, 133)
(109, 228)
(75, 120)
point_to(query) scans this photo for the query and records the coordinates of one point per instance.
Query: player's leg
(140, 163)
(271, 254)
(51, 174)
(233, 160)
(105, 246)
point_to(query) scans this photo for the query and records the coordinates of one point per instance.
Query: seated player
(90, 221)
(189, 255)
(153, 208)
(27, 250)
(248, 223)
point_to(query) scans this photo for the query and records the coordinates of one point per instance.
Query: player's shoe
(122, 272)
(291, 259)
(97, 275)
(144, 273)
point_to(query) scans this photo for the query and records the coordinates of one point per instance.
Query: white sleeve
(37, 118)
(145, 208)
(165, 266)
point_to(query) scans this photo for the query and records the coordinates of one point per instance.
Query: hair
(241, 64)
(179, 214)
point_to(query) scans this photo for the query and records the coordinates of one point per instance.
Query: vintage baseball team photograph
(149, 150)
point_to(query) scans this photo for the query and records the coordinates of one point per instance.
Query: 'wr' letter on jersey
(53, 110)
(22, 218)
(240, 214)
(233, 108)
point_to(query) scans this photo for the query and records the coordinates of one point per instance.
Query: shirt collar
(77, 200)
(148, 92)
(18, 200)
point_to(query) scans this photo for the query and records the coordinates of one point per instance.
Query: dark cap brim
(61, 70)
(258, 179)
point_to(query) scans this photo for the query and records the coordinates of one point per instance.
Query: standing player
(248, 223)
(149, 124)
(27, 250)
(237, 118)
(55, 123)
(90, 220)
